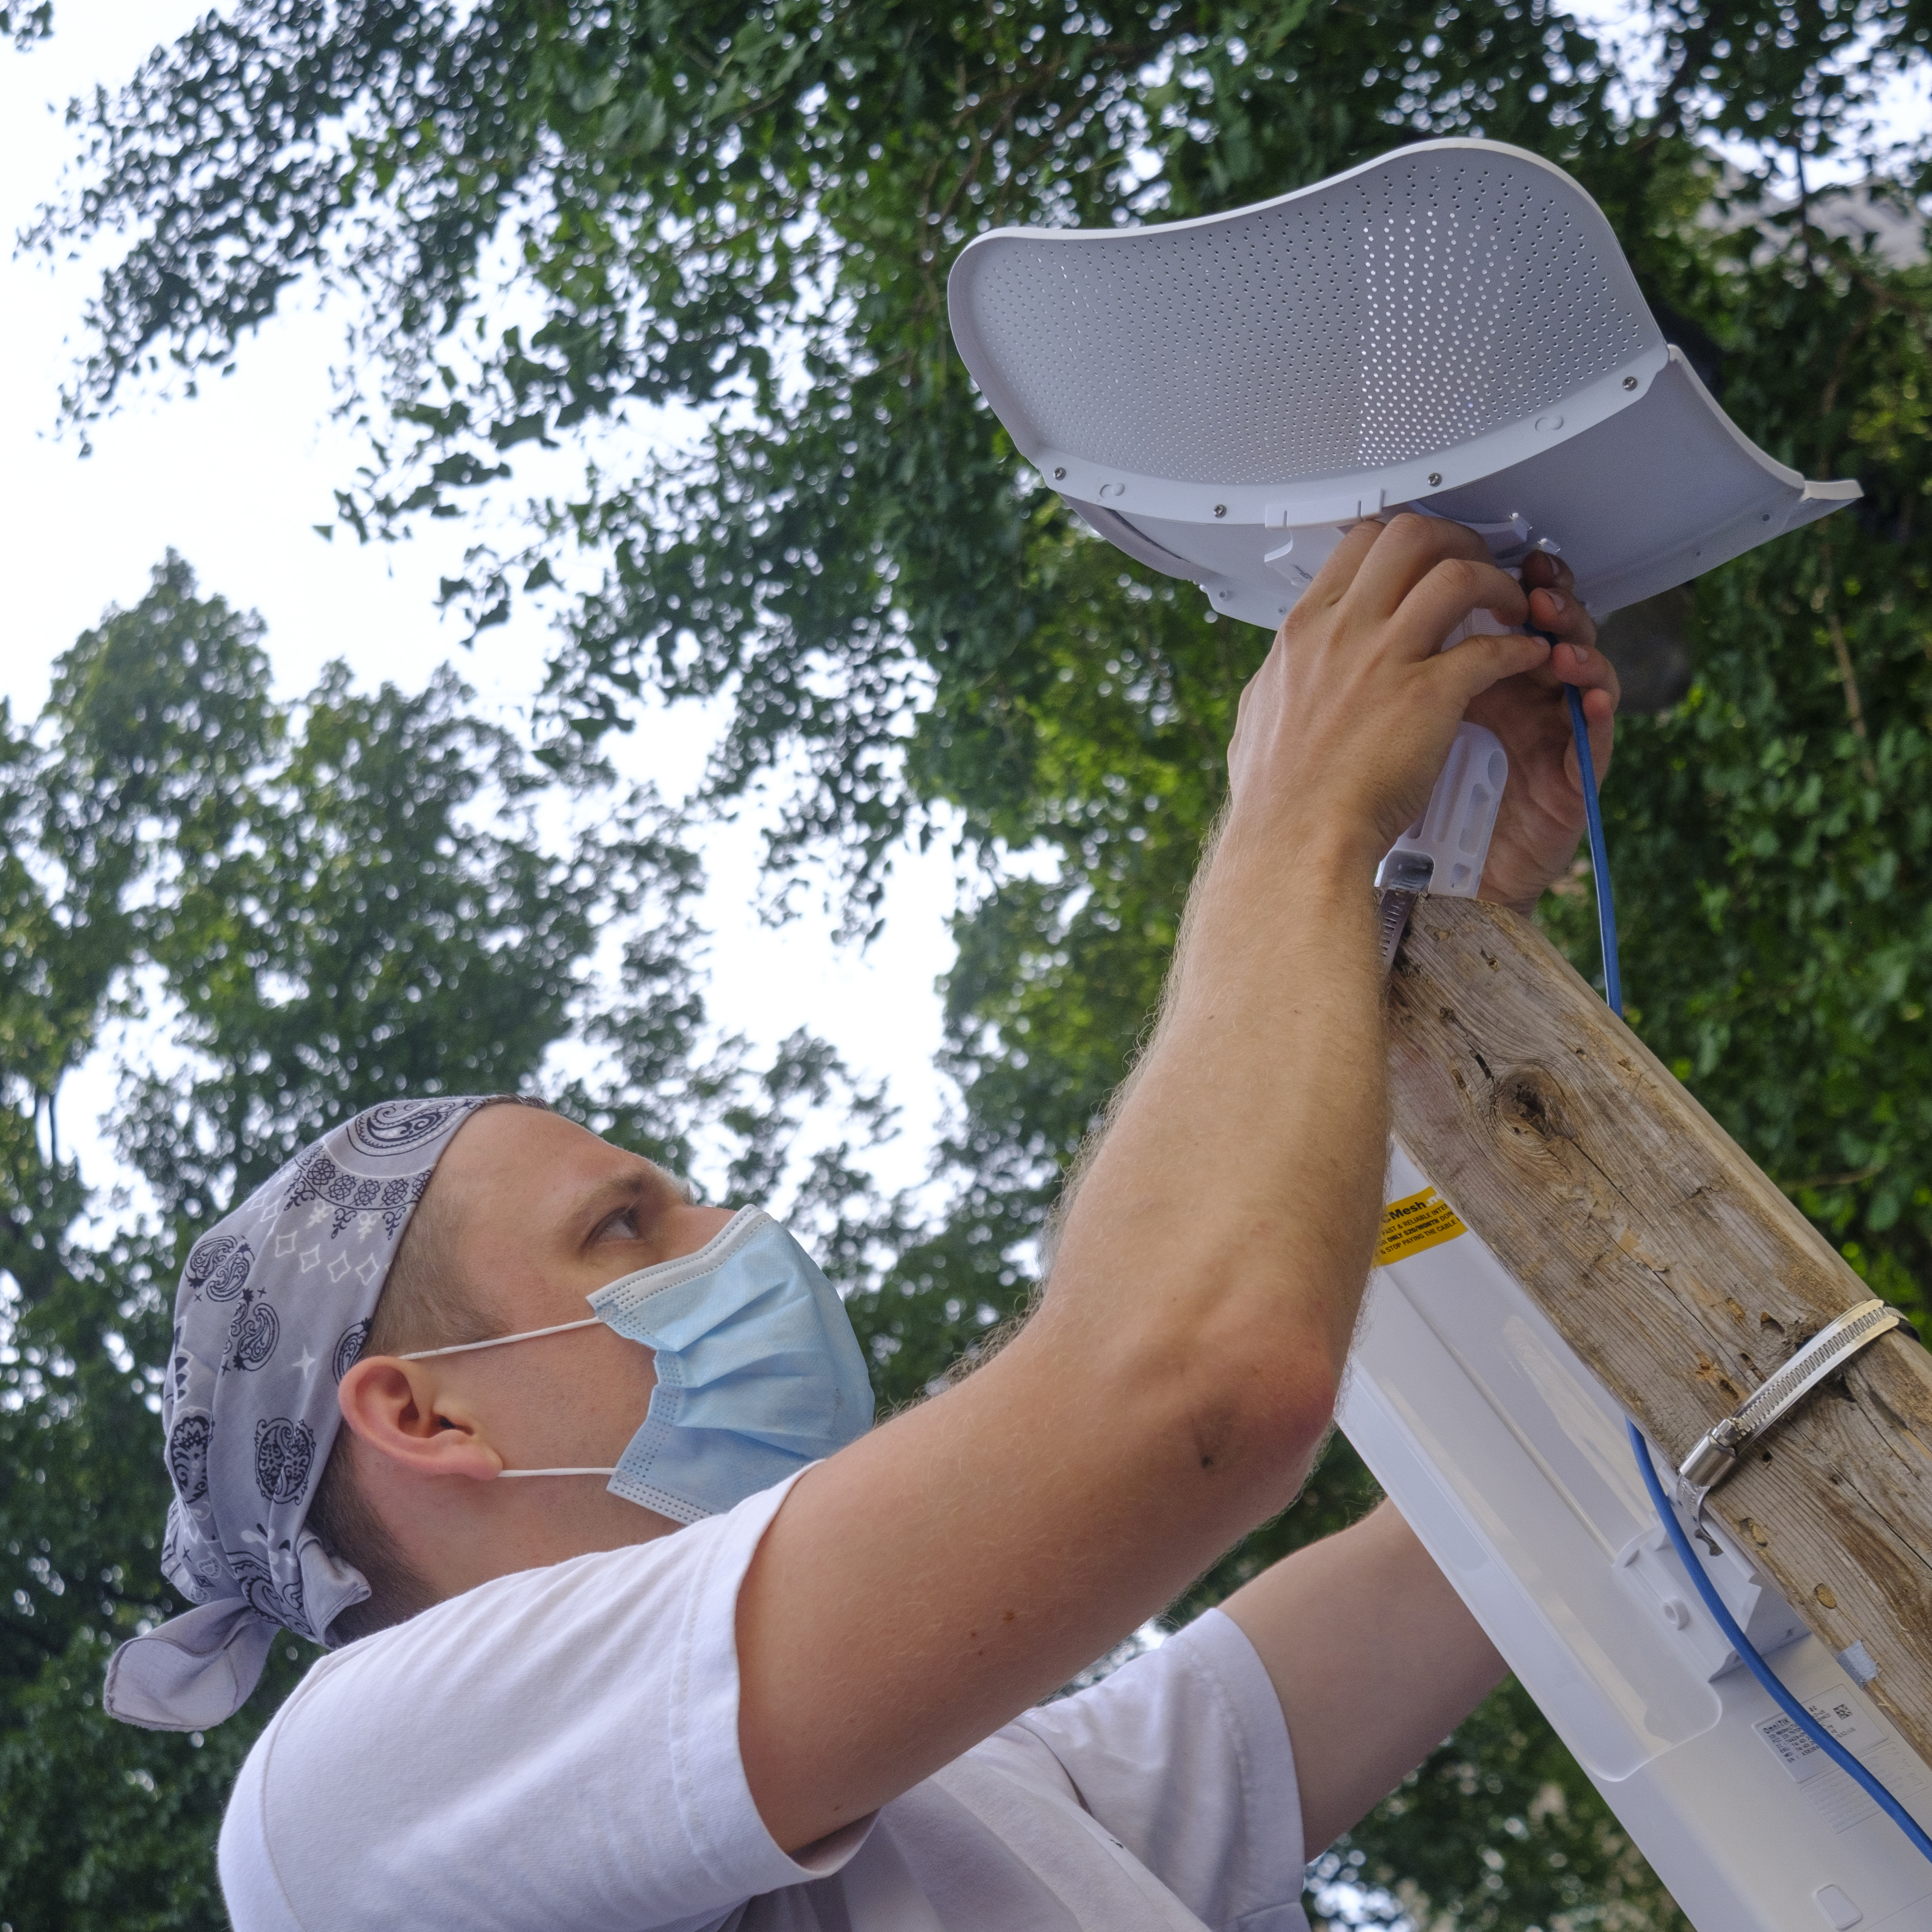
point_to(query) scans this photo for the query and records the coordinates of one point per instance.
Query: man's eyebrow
(596, 1202)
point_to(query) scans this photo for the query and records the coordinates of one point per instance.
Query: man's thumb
(1472, 666)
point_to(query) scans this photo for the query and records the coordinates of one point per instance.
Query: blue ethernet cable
(1600, 857)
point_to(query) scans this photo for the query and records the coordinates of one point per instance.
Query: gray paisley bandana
(273, 1307)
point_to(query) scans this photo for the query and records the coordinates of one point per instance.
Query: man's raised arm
(926, 1584)
(1373, 1655)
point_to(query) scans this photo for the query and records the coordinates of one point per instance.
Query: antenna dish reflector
(1453, 327)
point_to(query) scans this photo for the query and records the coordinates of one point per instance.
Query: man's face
(541, 1213)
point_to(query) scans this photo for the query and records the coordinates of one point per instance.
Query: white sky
(234, 479)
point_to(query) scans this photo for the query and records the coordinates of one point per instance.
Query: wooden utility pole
(1674, 1268)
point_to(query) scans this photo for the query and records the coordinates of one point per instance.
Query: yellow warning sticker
(1416, 1222)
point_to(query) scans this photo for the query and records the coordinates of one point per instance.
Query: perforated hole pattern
(1398, 314)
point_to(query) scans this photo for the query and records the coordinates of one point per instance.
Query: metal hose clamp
(1717, 1451)
(1401, 879)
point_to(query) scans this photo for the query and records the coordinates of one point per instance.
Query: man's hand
(1542, 815)
(1342, 730)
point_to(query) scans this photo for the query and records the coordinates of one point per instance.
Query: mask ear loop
(501, 1341)
(497, 1341)
(502, 1473)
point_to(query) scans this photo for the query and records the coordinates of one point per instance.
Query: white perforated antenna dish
(1454, 325)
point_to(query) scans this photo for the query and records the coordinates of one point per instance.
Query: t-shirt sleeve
(558, 1747)
(1183, 1755)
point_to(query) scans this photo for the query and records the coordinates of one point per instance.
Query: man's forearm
(1224, 1227)
(1234, 1198)
(1375, 1658)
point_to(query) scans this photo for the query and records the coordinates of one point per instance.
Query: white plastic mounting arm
(1444, 850)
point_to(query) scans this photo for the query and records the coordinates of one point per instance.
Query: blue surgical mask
(758, 1372)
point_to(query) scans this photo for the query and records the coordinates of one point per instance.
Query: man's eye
(622, 1226)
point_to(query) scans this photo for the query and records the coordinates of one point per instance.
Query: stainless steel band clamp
(1716, 1453)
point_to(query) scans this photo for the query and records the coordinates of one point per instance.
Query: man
(719, 1691)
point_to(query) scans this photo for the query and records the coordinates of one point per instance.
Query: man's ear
(399, 1410)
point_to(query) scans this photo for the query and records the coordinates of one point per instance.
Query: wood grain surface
(1674, 1267)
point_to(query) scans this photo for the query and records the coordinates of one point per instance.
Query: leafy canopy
(319, 905)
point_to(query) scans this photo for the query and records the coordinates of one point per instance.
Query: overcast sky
(234, 479)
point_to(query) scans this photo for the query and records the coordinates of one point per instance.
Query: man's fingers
(1558, 612)
(1541, 571)
(1451, 591)
(1340, 568)
(1600, 716)
(1404, 551)
(1576, 661)
(1573, 664)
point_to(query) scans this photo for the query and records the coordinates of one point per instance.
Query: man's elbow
(1262, 1419)
(1239, 1401)
(1295, 1421)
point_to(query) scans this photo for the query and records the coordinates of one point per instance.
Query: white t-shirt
(557, 1751)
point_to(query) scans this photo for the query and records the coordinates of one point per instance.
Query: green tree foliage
(326, 903)
(24, 25)
(753, 208)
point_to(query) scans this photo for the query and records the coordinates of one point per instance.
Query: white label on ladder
(1840, 1801)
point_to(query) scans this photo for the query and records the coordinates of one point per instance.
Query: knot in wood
(1529, 1099)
